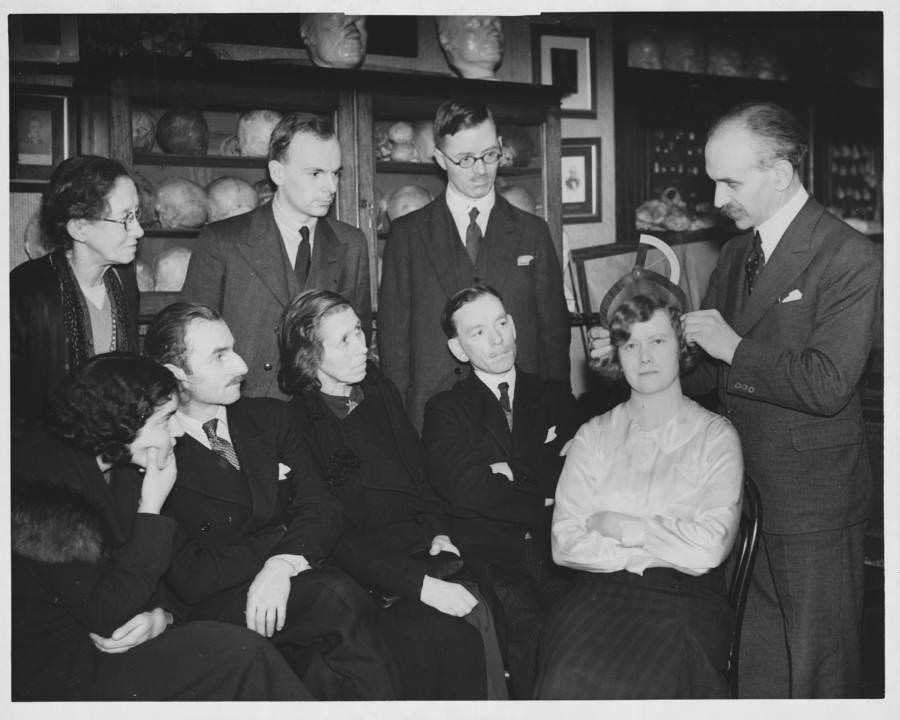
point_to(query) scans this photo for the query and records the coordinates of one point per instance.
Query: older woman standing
(647, 508)
(371, 456)
(81, 299)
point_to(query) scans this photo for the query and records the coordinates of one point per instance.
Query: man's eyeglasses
(132, 217)
(488, 157)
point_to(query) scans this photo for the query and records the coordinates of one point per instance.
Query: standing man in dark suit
(788, 321)
(249, 267)
(493, 446)
(468, 235)
(255, 519)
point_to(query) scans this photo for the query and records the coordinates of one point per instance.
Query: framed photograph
(45, 38)
(565, 59)
(580, 160)
(39, 137)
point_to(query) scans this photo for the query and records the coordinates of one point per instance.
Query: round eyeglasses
(488, 157)
(132, 217)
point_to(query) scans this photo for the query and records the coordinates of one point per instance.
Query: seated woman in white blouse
(647, 508)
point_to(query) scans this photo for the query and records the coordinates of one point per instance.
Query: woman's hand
(141, 628)
(158, 481)
(441, 543)
(450, 598)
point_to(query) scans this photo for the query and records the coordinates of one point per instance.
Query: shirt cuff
(297, 563)
(633, 533)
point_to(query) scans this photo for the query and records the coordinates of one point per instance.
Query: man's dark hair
(293, 124)
(79, 189)
(103, 406)
(165, 339)
(299, 340)
(781, 135)
(638, 309)
(455, 115)
(458, 300)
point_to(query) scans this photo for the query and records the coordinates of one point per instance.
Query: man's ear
(512, 324)
(179, 373)
(276, 171)
(784, 173)
(439, 158)
(456, 349)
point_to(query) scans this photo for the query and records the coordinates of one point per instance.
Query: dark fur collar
(57, 525)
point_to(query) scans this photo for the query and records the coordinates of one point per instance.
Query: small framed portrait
(43, 38)
(39, 136)
(565, 58)
(580, 175)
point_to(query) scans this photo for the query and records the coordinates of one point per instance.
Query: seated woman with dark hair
(82, 298)
(647, 508)
(371, 456)
(89, 548)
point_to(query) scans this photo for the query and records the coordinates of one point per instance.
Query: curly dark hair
(637, 309)
(79, 189)
(299, 340)
(103, 406)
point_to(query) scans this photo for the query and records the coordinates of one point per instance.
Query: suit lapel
(263, 250)
(497, 257)
(197, 472)
(526, 407)
(792, 255)
(488, 414)
(443, 246)
(259, 463)
(327, 258)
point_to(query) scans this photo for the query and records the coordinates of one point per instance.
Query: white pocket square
(792, 296)
(524, 260)
(551, 435)
(283, 471)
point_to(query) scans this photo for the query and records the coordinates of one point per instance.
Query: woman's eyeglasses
(132, 217)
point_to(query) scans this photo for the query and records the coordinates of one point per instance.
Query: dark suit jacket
(465, 432)
(83, 561)
(425, 262)
(791, 390)
(39, 352)
(239, 267)
(386, 517)
(228, 529)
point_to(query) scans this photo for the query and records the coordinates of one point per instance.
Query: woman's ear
(77, 229)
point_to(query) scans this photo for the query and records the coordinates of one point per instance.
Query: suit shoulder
(262, 409)
(29, 273)
(416, 217)
(845, 239)
(347, 232)
(230, 229)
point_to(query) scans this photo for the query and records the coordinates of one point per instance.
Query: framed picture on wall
(44, 38)
(39, 136)
(581, 196)
(565, 59)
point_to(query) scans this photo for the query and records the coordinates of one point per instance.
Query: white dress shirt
(289, 223)
(460, 205)
(682, 480)
(771, 231)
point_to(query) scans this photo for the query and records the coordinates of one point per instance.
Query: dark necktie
(473, 235)
(504, 402)
(755, 261)
(220, 446)
(301, 263)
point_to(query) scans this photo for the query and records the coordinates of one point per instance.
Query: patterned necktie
(755, 261)
(473, 235)
(301, 263)
(220, 446)
(504, 402)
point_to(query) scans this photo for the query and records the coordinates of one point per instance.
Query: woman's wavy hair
(299, 341)
(79, 190)
(637, 309)
(102, 408)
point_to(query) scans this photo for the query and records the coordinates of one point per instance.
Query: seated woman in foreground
(354, 421)
(89, 620)
(647, 507)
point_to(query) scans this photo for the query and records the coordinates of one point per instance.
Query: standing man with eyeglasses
(250, 267)
(467, 236)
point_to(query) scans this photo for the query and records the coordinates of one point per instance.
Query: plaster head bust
(473, 44)
(334, 39)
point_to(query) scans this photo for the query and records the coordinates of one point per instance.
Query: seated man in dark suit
(493, 447)
(255, 520)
